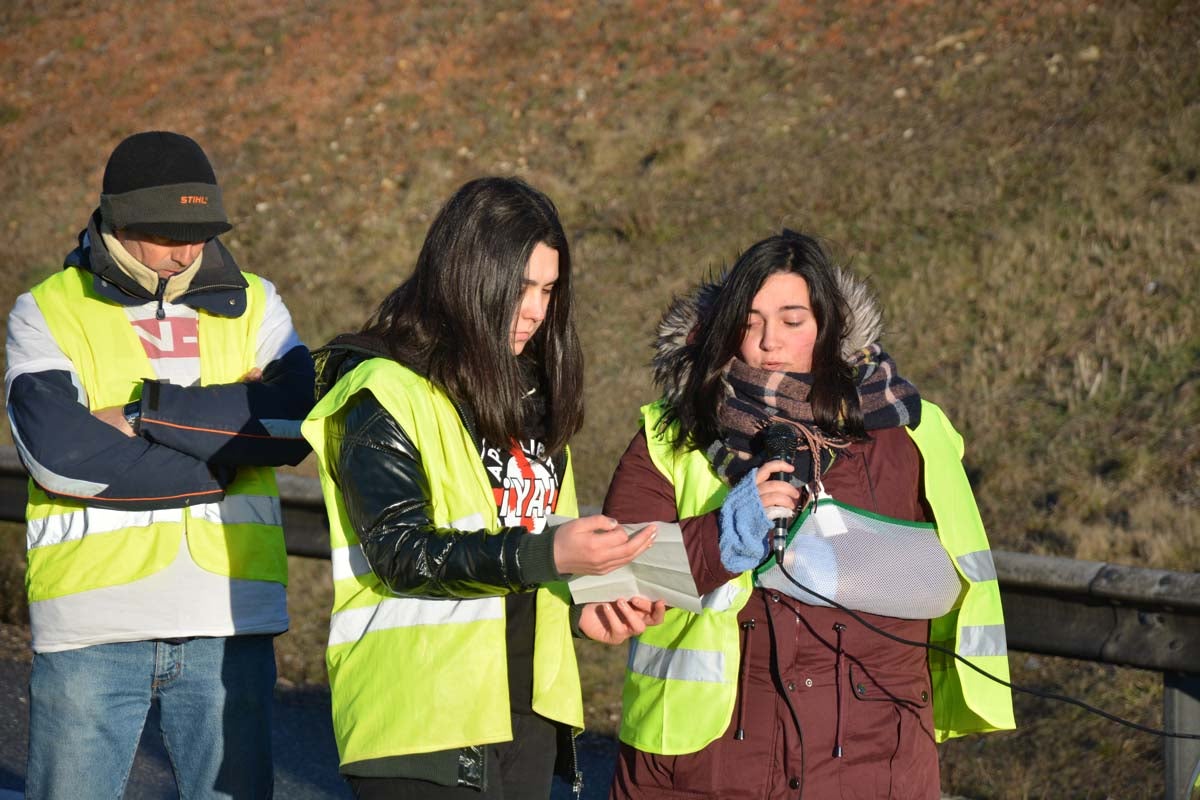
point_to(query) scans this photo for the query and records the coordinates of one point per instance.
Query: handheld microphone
(779, 442)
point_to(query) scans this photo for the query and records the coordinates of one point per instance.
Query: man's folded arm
(254, 422)
(251, 423)
(71, 454)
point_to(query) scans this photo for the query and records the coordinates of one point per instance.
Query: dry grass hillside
(1018, 180)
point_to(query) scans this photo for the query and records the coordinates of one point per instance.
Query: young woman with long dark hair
(441, 434)
(771, 691)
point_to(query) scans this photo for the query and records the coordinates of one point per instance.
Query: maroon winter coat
(812, 680)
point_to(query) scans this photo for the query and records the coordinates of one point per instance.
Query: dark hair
(451, 319)
(834, 397)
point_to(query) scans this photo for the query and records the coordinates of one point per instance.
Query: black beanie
(162, 184)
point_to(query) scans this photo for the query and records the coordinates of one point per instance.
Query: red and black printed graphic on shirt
(172, 344)
(169, 338)
(524, 483)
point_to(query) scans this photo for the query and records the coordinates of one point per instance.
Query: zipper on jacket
(577, 783)
(747, 626)
(214, 287)
(837, 726)
(160, 314)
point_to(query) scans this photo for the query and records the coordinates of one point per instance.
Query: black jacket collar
(342, 354)
(218, 288)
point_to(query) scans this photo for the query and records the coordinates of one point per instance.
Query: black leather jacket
(380, 474)
(383, 481)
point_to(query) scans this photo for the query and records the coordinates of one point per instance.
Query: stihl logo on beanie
(161, 183)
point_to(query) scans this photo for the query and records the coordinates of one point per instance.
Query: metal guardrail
(1086, 610)
(1112, 614)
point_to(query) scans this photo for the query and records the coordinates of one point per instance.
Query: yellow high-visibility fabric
(682, 709)
(98, 338)
(674, 715)
(441, 662)
(963, 700)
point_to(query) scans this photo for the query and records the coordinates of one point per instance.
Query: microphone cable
(1015, 687)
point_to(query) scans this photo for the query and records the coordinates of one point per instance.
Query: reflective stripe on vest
(72, 526)
(348, 562)
(351, 562)
(685, 647)
(88, 521)
(982, 640)
(721, 598)
(977, 566)
(386, 652)
(353, 624)
(678, 664)
(239, 537)
(242, 509)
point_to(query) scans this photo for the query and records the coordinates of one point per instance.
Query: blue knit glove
(744, 527)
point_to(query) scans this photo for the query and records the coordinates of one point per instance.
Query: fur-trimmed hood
(675, 344)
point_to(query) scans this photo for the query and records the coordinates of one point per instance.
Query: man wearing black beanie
(152, 386)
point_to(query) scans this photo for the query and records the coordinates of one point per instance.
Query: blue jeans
(88, 707)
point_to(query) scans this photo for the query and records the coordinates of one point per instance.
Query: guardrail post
(1181, 712)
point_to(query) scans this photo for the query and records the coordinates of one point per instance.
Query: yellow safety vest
(681, 682)
(74, 547)
(412, 675)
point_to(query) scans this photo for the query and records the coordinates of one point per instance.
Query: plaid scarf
(759, 397)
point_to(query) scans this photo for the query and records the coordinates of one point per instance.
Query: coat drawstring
(837, 731)
(744, 669)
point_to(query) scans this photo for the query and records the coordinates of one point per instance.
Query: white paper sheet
(660, 573)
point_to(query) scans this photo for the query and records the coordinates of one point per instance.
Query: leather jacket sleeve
(386, 493)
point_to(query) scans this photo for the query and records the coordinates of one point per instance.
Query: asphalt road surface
(305, 754)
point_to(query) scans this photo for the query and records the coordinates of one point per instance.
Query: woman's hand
(774, 493)
(614, 622)
(745, 516)
(597, 545)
